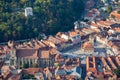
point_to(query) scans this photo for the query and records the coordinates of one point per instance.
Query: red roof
(25, 53)
(115, 13)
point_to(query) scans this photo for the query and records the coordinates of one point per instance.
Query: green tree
(25, 65)
(28, 76)
(118, 12)
(108, 9)
(35, 65)
(117, 72)
(50, 16)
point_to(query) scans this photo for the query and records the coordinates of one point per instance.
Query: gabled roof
(45, 54)
(94, 24)
(115, 13)
(54, 40)
(105, 23)
(87, 45)
(72, 33)
(27, 53)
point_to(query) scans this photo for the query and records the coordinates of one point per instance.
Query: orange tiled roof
(109, 22)
(5, 68)
(72, 33)
(61, 39)
(91, 64)
(31, 70)
(54, 51)
(7, 75)
(45, 54)
(31, 53)
(94, 24)
(46, 42)
(80, 32)
(88, 30)
(54, 40)
(116, 29)
(117, 15)
(101, 22)
(87, 45)
(105, 23)
(15, 77)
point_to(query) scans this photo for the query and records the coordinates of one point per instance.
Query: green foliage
(118, 12)
(25, 65)
(118, 5)
(108, 9)
(28, 76)
(117, 72)
(50, 16)
(57, 64)
(35, 65)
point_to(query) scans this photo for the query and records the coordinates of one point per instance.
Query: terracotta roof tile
(45, 54)
(46, 42)
(94, 24)
(117, 15)
(54, 40)
(72, 33)
(27, 53)
(15, 77)
(31, 70)
(105, 23)
(87, 45)
(116, 29)
(61, 39)
(109, 22)
(54, 51)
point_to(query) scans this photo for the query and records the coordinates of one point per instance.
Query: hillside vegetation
(50, 16)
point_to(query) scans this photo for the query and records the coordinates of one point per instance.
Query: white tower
(28, 11)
